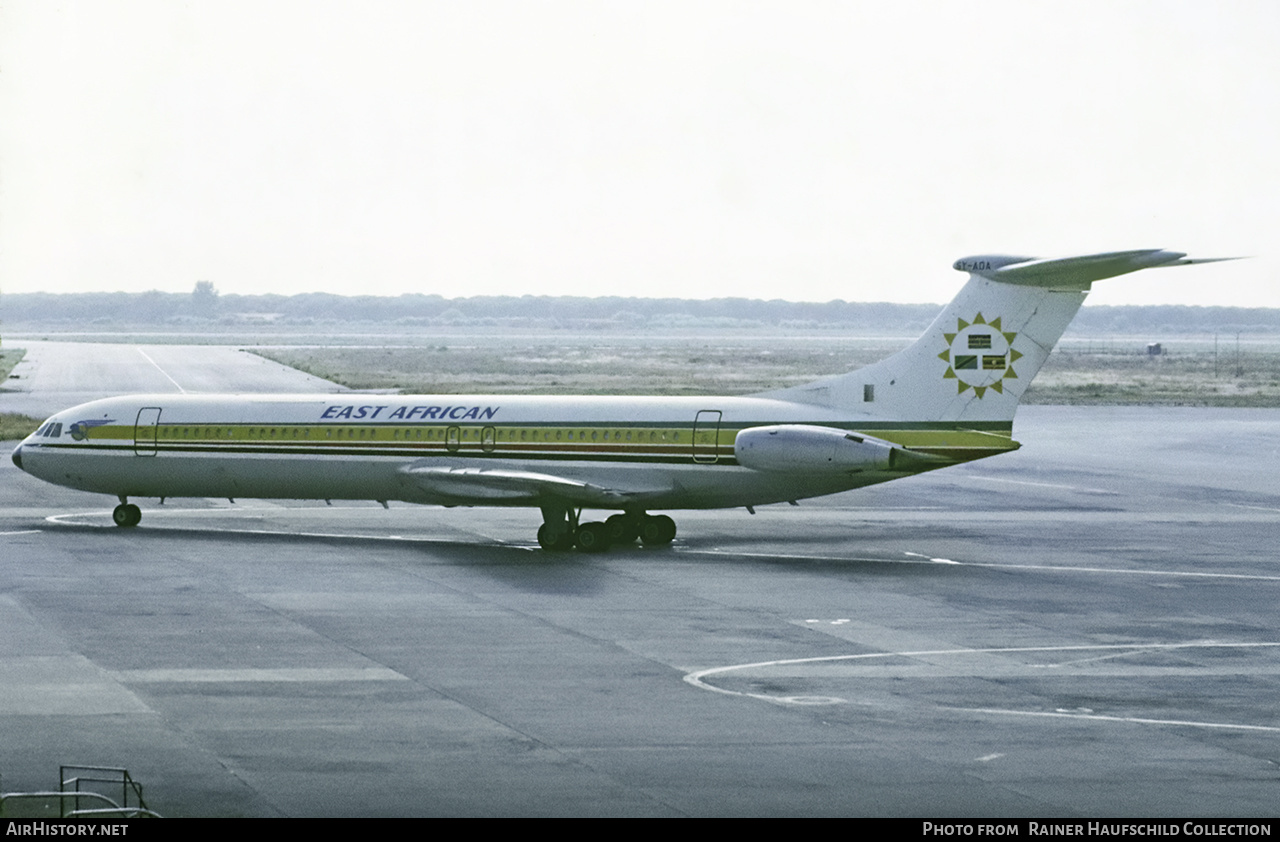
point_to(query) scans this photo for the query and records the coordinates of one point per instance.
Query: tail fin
(978, 357)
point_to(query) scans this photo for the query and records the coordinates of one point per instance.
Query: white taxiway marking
(23, 532)
(295, 674)
(989, 757)
(1138, 720)
(1125, 570)
(934, 560)
(1044, 485)
(1078, 661)
(1255, 508)
(1041, 568)
(161, 370)
(63, 520)
(696, 679)
(781, 557)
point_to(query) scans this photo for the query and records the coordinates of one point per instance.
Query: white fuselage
(605, 452)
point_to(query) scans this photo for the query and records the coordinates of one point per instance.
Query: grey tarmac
(1086, 627)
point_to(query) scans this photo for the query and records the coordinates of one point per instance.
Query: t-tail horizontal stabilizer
(1075, 273)
(976, 360)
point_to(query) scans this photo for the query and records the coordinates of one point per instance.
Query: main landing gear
(560, 530)
(126, 514)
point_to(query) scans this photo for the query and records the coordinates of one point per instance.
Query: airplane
(946, 399)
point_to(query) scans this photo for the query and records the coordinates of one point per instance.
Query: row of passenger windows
(419, 434)
(656, 436)
(194, 432)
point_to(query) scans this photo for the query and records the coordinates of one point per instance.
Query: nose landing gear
(126, 514)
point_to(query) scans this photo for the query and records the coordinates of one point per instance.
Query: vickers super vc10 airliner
(948, 398)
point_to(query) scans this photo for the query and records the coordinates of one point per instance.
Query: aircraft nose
(17, 456)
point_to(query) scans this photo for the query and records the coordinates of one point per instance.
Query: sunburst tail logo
(980, 356)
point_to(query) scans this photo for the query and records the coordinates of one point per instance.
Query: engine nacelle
(804, 448)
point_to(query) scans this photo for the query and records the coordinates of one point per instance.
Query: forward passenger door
(144, 431)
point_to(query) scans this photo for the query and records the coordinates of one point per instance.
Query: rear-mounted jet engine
(809, 449)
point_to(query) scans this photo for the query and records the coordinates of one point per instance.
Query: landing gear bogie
(592, 537)
(656, 530)
(623, 529)
(561, 531)
(553, 539)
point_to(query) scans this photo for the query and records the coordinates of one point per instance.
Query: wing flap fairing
(510, 486)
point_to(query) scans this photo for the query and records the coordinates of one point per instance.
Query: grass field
(1191, 377)
(9, 357)
(1117, 371)
(13, 426)
(672, 368)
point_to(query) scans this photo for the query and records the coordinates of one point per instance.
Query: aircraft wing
(472, 484)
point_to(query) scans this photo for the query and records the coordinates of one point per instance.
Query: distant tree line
(206, 307)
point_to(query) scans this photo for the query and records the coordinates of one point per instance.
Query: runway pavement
(58, 375)
(1086, 627)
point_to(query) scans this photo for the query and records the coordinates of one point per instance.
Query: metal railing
(72, 791)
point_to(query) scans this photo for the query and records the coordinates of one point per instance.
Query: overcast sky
(806, 151)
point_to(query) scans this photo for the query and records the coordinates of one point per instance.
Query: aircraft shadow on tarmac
(703, 551)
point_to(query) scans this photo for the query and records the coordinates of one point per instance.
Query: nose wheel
(126, 515)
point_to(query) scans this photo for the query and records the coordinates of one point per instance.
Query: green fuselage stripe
(624, 441)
